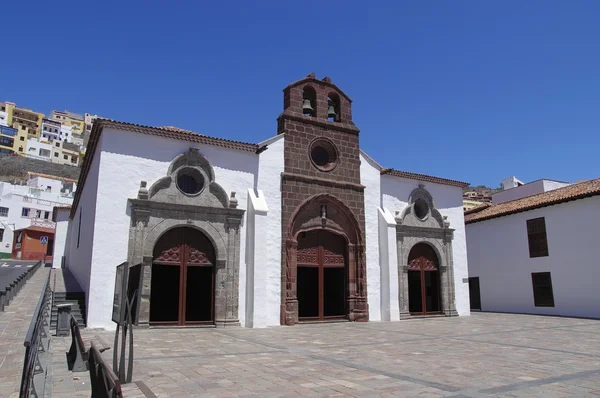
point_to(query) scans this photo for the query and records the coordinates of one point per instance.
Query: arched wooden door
(322, 276)
(183, 274)
(423, 281)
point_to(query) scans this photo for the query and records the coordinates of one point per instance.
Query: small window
(3, 211)
(66, 157)
(536, 234)
(22, 138)
(23, 127)
(38, 214)
(543, 295)
(20, 149)
(25, 212)
(46, 215)
(1, 235)
(58, 144)
(55, 154)
(48, 188)
(79, 229)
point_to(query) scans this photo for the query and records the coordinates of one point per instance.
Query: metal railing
(37, 344)
(105, 382)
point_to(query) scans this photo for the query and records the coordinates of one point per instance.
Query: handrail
(104, 381)
(36, 345)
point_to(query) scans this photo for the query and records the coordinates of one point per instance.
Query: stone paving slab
(14, 323)
(484, 355)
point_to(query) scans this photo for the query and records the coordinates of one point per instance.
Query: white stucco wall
(370, 175)
(504, 270)
(127, 158)
(271, 166)
(60, 237)
(448, 200)
(82, 228)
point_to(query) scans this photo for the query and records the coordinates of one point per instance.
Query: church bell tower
(323, 213)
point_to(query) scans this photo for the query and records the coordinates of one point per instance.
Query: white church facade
(301, 227)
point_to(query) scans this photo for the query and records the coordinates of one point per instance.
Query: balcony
(40, 222)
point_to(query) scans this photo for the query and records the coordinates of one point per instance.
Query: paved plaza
(497, 355)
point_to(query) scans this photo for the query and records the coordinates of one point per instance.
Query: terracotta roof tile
(572, 192)
(31, 173)
(177, 134)
(423, 177)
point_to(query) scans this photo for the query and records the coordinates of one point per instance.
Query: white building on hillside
(302, 227)
(39, 148)
(22, 206)
(515, 189)
(535, 253)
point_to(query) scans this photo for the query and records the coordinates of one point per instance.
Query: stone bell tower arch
(321, 169)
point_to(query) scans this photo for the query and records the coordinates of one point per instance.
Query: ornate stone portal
(328, 213)
(421, 222)
(188, 196)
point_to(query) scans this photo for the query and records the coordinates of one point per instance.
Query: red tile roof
(571, 192)
(423, 177)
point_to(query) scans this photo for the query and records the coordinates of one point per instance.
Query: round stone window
(323, 154)
(421, 209)
(190, 181)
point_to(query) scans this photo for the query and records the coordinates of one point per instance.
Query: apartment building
(55, 151)
(12, 141)
(24, 207)
(67, 118)
(25, 119)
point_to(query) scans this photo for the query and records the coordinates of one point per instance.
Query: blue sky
(470, 90)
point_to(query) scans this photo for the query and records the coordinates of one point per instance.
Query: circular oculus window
(421, 209)
(190, 181)
(323, 154)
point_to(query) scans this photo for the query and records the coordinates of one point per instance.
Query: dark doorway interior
(164, 299)
(474, 293)
(322, 279)
(199, 292)
(308, 295)
(415, 297)
(423, 281)
(182, 287)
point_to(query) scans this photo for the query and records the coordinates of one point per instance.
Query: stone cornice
(141, 204)
(324, 181)
(323, 124)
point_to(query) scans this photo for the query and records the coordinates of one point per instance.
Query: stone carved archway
(326, 212)
(165, 206)
(421, 222)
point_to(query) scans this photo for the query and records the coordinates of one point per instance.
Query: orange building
(28, 245)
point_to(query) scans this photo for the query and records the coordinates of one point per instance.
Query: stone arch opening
(324, 234)
(183, 284)
(423, 280)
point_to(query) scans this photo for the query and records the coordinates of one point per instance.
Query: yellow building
(67, 118)
(25, 119)
(470, 204)
(12, 141)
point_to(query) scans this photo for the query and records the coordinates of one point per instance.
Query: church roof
(165, 132)
(423, 177)
(174, 133)
(571, 192)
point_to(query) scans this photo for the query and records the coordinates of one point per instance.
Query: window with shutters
(542, 289)
(536, 234)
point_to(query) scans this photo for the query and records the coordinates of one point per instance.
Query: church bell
(306, 107)
(331, 111)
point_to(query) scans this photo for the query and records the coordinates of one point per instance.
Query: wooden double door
(423, 281)
(183, 279)
(322, 276)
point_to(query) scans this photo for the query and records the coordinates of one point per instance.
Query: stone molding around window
(164, 206)
(434, 230)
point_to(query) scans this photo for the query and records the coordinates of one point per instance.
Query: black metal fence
(37, 342)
